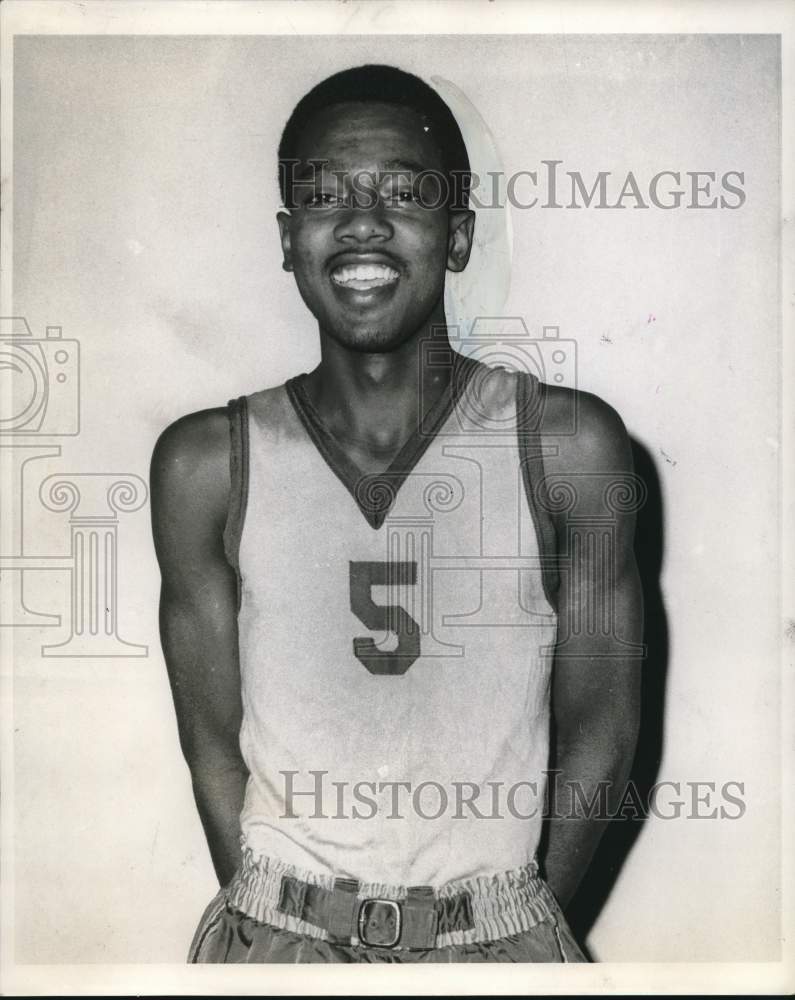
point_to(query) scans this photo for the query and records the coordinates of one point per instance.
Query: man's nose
(363, 221)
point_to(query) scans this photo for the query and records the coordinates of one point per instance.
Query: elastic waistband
(498, 905)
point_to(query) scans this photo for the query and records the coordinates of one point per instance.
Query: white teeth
(364, 276)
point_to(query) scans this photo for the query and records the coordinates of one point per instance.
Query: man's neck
(372, 403)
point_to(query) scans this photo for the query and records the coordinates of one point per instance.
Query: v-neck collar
(375, 493)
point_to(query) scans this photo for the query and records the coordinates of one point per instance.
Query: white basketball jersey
(396, 636)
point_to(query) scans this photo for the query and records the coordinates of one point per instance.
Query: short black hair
(386, 85)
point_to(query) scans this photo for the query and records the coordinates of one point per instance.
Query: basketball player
(374, 605)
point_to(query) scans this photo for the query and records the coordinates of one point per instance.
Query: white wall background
(144, 203)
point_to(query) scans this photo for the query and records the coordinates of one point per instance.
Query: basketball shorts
(269, 914)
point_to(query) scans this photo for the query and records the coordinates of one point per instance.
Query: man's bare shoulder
(588, 433)
(190, 464)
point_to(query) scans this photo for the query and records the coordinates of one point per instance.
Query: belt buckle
(386, 924)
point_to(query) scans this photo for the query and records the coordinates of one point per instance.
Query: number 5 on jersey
(380, 617)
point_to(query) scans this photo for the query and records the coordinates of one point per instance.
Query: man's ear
(461, 228)
(284, 220)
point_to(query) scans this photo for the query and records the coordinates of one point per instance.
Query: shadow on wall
(620, 835)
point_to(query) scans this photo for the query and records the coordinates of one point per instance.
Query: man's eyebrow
(309, 169)
(410, 166)
(313, 168)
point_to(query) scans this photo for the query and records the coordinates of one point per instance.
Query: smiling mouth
(363, 277)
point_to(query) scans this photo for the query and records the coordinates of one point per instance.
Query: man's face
(369, 239)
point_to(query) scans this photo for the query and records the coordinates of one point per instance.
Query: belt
(355, 912)
(411, 922)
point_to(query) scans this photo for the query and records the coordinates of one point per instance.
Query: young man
(373, 597)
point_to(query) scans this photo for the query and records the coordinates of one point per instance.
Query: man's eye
(406, 196)
(322, 199)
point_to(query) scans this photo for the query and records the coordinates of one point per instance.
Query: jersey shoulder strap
(237, 412)
(530, 405)
(266, 412)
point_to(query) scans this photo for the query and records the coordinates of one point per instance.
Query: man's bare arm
(595, 684)
(190, 486)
